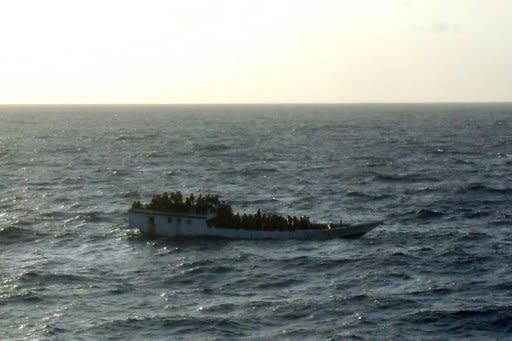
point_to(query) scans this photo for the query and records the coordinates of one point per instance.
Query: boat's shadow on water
(137, 237)
(201, 243)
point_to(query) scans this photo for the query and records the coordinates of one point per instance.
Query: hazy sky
(194, 51)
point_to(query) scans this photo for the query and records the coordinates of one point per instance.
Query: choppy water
(439, 268)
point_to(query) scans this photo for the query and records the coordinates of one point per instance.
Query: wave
(274, 282)
(26, 296)
(129, 194)
(121, 288)
(209, 271)
(368, 196)
(150, 326)
(73, 181)
(211, 147)
(503, 287)
(46, 278)
(417, 215)
(409, 177)
(154, 154)
(502, 222)
(427, 189)
(314, 264)
(91, 217)
(395, 302)
(493, 318)
(55, 214)
(257, 170)
(478, 213)
(352, 299)
(253, 204)
(46, 184)
(12, 234)
(113, 172)
(135, 137)
(425, 213)
(474, 236)
(482, 188)
(9, 201)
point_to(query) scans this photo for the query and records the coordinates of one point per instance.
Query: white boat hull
(184, 225)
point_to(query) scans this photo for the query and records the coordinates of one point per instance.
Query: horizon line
(255, 103)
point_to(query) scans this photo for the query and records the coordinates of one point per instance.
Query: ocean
(438, 268)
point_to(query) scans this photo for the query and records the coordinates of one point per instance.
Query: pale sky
(286, 51)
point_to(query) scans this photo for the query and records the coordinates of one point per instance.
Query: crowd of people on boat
(224, 216)
(174, 202)
(260, 221)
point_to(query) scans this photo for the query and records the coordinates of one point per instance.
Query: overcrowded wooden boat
(170, 215)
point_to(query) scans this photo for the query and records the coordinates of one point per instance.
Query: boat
(170, 216)
(180, 225)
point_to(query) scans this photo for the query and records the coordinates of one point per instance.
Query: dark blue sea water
(439, 268)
